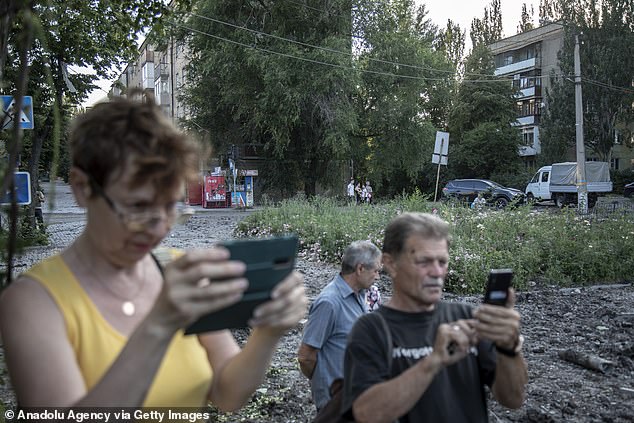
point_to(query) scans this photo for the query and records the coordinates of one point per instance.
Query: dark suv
(468, 189)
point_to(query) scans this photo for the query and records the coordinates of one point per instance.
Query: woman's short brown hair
(105, 138)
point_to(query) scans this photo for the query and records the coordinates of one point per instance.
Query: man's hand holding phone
(496, 319)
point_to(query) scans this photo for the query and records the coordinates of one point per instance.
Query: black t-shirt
(457, 392)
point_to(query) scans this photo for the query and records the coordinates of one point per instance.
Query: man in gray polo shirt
(332, 315)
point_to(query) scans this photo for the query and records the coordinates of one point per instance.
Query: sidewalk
(65, 220)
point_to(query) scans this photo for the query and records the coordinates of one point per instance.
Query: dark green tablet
(269, 261)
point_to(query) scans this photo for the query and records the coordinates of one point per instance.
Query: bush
(559, 248)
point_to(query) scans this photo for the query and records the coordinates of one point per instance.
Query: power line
(608, 86)
(491, 77)
(503, 77)
(324, 48)
(326, 63)
(496, 79)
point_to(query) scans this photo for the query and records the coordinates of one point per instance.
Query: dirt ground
(596, 321)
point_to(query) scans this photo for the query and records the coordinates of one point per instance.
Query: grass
(559, 248)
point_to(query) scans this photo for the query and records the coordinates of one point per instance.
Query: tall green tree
(451, 40)
(488, 29)
(606, 29)
(101, 35)
(526, 19)
(277, 75)
(405, 95)
(485, 143)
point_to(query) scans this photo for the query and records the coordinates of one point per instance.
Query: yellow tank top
(184, 376)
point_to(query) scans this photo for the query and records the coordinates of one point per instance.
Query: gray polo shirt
(330, 319)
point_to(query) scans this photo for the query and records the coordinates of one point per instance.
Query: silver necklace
(127, 305)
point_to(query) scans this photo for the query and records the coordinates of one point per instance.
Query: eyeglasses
(138, 221)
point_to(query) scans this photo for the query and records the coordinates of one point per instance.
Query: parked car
(467, 190)
(628, 190)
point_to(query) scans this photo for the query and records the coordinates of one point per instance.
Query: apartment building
(160, 73)
(528, 59)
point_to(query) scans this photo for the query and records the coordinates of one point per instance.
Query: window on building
(614, 163)
(528, 137)
(528, 108)
(618, 137)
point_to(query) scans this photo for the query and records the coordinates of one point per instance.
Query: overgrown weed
(558, 248)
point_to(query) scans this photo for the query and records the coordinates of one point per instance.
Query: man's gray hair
(405, 225)
(359, 252)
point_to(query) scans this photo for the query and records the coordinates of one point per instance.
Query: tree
(404, 97)
(292, 95)
(451, 40)
(526, 20)
(484, 141)
(97, 34)
(488, 29)
(607, 60)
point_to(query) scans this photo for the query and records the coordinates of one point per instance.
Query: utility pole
(582, 183)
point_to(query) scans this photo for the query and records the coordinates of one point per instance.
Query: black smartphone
(498, 285)
(269, 261)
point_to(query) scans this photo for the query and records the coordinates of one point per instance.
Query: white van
(558, 182)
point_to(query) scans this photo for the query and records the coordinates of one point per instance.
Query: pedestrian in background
(369, 192)
(101, 324)
(350, 191)
(332, 315)
(479, 202)
(41, 198)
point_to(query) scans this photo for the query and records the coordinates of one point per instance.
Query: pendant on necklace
(128, 308)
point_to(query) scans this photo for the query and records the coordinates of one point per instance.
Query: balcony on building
(161, 70)
(516, 67)
(147, 79)
(147, 56)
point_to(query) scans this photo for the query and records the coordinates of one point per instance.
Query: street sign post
(22, 190)
(25, 116)
(441, 150)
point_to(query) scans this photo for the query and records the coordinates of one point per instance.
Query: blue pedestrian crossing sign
(7, 115)
(22, 190)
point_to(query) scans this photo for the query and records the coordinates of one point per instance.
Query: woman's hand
(197, 283)
(286, 307)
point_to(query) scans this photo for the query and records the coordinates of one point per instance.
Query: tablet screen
(269, 261)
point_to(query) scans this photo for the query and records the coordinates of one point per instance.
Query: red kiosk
(214, 192)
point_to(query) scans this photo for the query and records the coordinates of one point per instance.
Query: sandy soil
(595, 321)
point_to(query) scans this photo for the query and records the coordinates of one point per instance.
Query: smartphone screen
(498, 286)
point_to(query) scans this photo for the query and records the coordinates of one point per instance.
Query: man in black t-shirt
(443, 354)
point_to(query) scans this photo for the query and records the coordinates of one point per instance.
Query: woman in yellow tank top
(100, 325)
